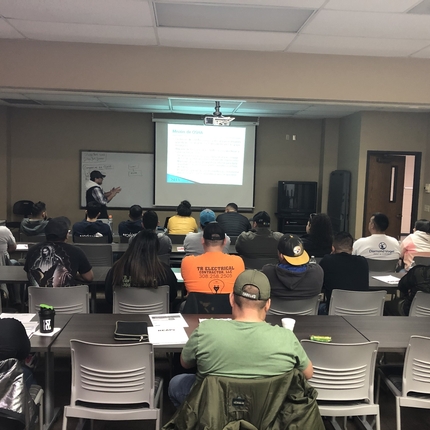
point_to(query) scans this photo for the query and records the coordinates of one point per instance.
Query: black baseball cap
(262, 218)
(213, 231)
(291, 248)
(57, 228)
(96, 174)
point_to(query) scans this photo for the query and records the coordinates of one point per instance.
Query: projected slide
(205, 155)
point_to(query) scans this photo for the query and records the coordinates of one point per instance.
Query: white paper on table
(22, 246)
(56, 330)
(389, 279)
(180, 249)
(167, 335)
(24, 318)
(179, 276)
(168, 320)
(30, 327)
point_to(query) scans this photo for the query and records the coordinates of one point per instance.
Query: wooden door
(384, 190)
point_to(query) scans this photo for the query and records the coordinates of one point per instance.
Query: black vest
(90, 198)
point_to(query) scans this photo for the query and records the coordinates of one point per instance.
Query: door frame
(416, 186)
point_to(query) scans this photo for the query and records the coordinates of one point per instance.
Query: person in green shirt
(244, 347)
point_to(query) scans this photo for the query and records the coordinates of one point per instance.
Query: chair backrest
(90, 239)
(294, 307)
(22, 207)
(201, 303)
(115, 374)
(258, 263)
(342, 371)
(423, 261)
(124, 239)
(416, 371)
(368, 303)
(420, 306)
(141, 300)
(32, 239)
(97, 254)
(382, 265)
(66, 300)
(177, 238)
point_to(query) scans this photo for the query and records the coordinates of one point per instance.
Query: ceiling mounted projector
(217, 118)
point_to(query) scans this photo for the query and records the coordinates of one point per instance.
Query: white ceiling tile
(224, 39)
(107, 12)
(231, 17)
(308, 4)
(367, 24)
(86, 33)
(312, 44)
(136, 102)
(372, 5)
(75, 98)
(8, 32)
(424, 53)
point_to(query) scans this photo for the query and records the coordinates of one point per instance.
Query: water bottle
(312, 260)
(110, 222)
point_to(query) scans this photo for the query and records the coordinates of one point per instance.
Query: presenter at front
(95, 192)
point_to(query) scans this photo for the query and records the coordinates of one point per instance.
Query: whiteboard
(132, 171)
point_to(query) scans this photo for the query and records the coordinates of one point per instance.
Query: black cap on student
(96, 174)
(57, 228)
(262, 218)
(213, 231)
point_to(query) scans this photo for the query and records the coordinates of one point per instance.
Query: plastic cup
(46, 319)
(288, 323)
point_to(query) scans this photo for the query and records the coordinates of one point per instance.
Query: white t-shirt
(377, 247)
(6, 239)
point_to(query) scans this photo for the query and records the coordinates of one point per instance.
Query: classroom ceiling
(383, 28)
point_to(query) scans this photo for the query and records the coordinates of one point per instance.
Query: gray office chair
(382, 265)
(258, 263)
(32, 239)
(420, 306)
(141, 300)
(410, 386)
(120, 376)
(177, 238)
(294, 307)
(343, 376)
(66, 300)
(421, 260)
(97, 254)
(364, 303)
(90, 239)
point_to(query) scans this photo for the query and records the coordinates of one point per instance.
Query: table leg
(93, 298)
(49, 388)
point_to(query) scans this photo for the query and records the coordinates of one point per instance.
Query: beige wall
(45, 145)
(3, 162)
(196, 72)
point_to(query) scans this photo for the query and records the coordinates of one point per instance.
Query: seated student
(342, 270)
(212, 272)
(232, 222)
(132, 226)
(182, 222)
(260, 242)
(14, 343)
(193, 244)
(140, 267)
(318, 238)
(36, 224)
(377, 246)
(150, 222)
(417, 279)
(55, 263)
(92, 226)
(417, 243)
(293, 277)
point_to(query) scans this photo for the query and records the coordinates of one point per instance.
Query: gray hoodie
(33, 227)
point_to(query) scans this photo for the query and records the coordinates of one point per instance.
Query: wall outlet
(426, 208)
